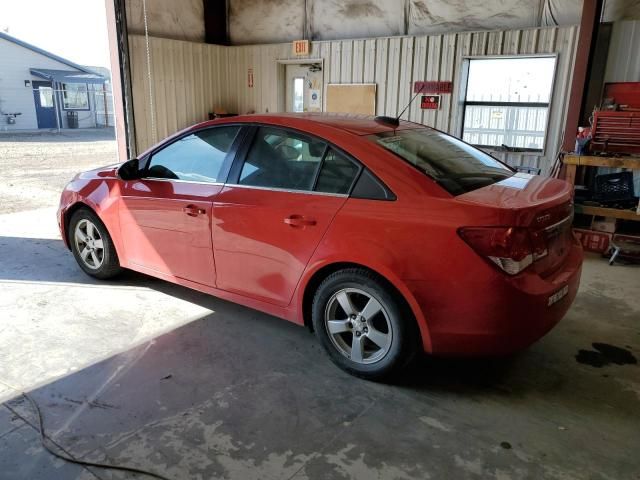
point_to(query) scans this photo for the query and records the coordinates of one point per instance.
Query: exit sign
(300, 47)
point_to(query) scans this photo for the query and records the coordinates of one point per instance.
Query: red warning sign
(432, 87)
(430, 102)
(250, 78)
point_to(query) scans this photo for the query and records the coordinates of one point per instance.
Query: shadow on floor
(48, 260)
(240, 394)
(56, 264)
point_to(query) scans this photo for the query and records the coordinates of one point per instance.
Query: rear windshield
(453, 164)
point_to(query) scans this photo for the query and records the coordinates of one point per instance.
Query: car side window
(197, 157)
(337, 173)
(280, 158)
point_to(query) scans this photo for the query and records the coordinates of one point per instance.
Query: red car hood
(110, 171)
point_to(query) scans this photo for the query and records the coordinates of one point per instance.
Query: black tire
(404, 336)
(109, 265)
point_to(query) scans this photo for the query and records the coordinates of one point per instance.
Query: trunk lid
(542, 205)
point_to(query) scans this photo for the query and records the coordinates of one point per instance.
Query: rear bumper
(508, 315)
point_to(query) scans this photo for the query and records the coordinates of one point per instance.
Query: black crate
(614, 187)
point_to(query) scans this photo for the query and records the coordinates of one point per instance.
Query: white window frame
(64, 100)
(462, 100)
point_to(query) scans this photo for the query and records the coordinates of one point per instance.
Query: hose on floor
(44, 438)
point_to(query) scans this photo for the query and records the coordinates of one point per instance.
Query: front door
(270, 217)
(303, 88)
(44, 101)
(165, 218)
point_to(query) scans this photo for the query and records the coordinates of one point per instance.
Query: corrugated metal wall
(623, 63)
(188, 79)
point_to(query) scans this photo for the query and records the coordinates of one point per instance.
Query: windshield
(453, 164)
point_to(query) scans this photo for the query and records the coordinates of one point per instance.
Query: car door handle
(193, 211)
(299, 221)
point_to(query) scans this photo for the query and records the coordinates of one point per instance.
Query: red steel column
(591, 11)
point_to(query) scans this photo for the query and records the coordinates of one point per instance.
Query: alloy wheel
(358, 325)
(89, 244)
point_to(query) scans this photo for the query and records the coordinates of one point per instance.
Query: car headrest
(263, 153)
(316, 149)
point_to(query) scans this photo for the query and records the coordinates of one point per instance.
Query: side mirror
(130, 170)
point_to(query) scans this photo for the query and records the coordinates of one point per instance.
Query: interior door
(268, 219)
(165, 217)
(45, 109)
(303, 88)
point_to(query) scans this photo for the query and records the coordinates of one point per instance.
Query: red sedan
(384, 238)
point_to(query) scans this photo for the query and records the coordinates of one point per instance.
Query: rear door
(165, 217)
(303, 88)
(282, 194)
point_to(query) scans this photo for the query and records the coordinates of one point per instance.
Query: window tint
(337, 173)
(456, 166)
(197, 157)
(282, 159)
(368, 187)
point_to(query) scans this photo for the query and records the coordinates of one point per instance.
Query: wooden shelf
(607, 212)
(601, 161)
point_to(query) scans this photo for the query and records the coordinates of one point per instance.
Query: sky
(72, 29)
(517, 79)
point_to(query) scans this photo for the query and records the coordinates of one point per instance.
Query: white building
(41, 90)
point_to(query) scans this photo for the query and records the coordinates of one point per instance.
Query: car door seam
(324, 234)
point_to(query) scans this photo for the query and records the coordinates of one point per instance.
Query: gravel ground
(37, 166)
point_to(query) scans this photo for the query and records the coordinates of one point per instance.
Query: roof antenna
(395, 121)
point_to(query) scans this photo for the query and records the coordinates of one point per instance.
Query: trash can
(72, 119)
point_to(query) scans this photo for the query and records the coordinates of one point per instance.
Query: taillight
(511, 248)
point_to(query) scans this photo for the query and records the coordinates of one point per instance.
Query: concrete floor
(148, 374)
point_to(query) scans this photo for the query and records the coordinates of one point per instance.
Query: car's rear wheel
(92, 246)
(362, 324)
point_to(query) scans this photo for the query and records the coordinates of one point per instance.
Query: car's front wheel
(362, 325)
(92, 246)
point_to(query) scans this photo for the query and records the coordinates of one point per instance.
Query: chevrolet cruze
(386, 238)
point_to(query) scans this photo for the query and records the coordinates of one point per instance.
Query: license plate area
(559, 295)
(558, 239)
(559, 242)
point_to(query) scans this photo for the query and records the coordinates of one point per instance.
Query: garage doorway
(303, 87)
